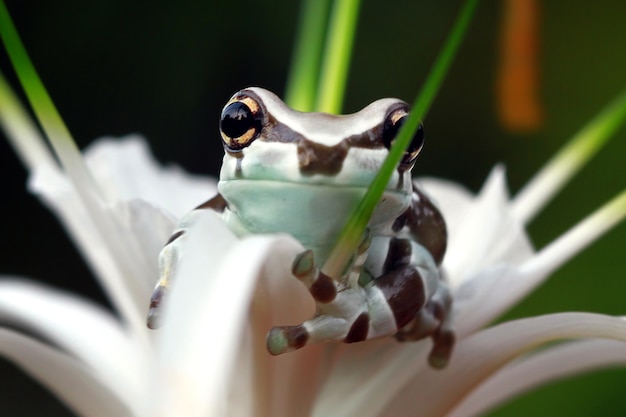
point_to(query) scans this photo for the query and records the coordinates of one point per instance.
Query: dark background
(165, 69)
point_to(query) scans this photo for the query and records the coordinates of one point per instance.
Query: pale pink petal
(104, 244)
(81, 328)
(366, 372)
(453, 200)
(285, 385)
(541, 368)
(496, 288)
(124, 169)
(208, 309)
(68, 378)
(145, 229)
(434, 393)
(569, 244)
(489, 229)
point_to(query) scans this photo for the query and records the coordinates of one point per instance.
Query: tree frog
(303, 174)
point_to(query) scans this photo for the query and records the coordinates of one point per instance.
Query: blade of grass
(583, 234)
(301, 91)
(338, 51)
(22, 131)
(569, 160)
(49, 118)
(352, 232)
(127, 294)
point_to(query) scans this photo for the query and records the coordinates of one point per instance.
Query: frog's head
(266, 140)
(281, 165)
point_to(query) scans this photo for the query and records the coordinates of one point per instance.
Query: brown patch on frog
(217, 203)
(398, 254)
(323, 289)
(274, 131)
(175, 236)
(359, 329)
(426, 224)
(296, 336)
(315, 158)
(404, 291)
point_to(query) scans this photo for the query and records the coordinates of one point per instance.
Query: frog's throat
(312, 213)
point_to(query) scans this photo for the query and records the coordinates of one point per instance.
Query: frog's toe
(443, 343)
(323, 288)
(286, 339)
(154, 311)
(322, 328)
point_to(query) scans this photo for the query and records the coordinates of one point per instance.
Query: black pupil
(391, 131)
(418, 139)
(237, 119)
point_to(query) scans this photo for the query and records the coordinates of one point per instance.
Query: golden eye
(390, 130)
(240, 122)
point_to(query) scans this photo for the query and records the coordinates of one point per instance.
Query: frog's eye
(240, 123)
(392, 126)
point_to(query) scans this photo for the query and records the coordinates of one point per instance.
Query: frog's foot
(168, 259)
(348, 312)
(343, 312)
(154, 312)
(434, 321)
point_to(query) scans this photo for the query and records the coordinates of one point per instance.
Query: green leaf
(352, 232)
(569, 160)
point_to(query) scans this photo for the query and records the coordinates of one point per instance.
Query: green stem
(338, 51)
(22, 131)
(51, 122)
(569, 160)
(301, 92)
(352, 232)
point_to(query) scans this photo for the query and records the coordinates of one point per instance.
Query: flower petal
(368, 373)
(145, 229)
(489, 228)
(541, 368)
(452, 199)
(496, 288)
(124, 253)
(69, 379)
(81, 328)
(579, 237)
(437, 392)
(286, 385)
(208, 309)
(124, 169)
(102, 243)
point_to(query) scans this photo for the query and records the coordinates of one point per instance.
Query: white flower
(209, 358)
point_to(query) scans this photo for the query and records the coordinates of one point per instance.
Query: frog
(303, 173)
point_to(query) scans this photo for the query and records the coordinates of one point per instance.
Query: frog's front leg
(407, 299)
(169, 257)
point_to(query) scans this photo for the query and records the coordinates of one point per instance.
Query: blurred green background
(165, 69)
